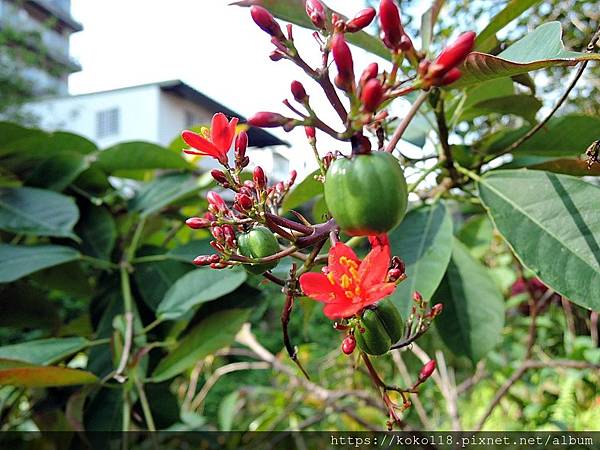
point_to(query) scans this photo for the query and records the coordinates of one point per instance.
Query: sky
(214, 47)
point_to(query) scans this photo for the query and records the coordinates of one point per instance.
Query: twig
(145, 406)
(403, 125)
(450, 391)
(589, 49)
(446, 155)
(594, 327)
(218, 373)
(397, 357)
(480, 373)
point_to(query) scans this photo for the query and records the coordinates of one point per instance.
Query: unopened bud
(393, 275)
(219, 176)
(218, 234)
(391, 25)
(241, 144)
(206, 260)
(244, 201)
(436, 310)
(372, 95)
(423, 67)
(266, 22)
(427, 370)
(299, 92)
(316, 13)
(310, 132)
(276, 55)
(361, 20)
(197, 223)
(292, 180)
(259, 177)
(369, 73)
(417, 297)
(217, 201)
(343, 60)
(454, 54)
(265, 119)
(280, 187)
(449, 77)
(348, 344)
(229, 235)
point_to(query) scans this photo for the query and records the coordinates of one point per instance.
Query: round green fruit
(259, 242)
(382, 325)
(366, 194)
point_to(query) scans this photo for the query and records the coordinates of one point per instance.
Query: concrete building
(155, 112)
(45, 27)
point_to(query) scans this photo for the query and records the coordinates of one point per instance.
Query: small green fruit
(259, 242)
(382, 326)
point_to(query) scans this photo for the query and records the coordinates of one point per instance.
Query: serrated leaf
(424, 242)
(473, 316)
(539, 49)
(164, 191)
(214, 332)
(197, 287)
(42, 376)
(17, 261)
(139, 156)
(306, 190)
(26, 210)
(552, 222)
(44, 351)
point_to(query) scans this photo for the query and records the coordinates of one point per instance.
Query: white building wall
(138, 114)
(174, 112)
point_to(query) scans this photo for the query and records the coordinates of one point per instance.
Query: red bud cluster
(444, 70)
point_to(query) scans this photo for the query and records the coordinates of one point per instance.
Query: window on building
(190, 119)
(107, 122)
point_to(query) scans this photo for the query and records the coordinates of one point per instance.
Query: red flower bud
(206, 260)
(369, 73)
(218, 233)
(266, 22)
(454, 54)
(229, 235)
(276, 55)
(280, 187)
(216, 200)
(197, 223)
(266, 119)
(219, 176)
(299, 92)
(361, 20)
(372, 95)
(391, 26)
(241, 144)
(417, 297)
(427, 370)
(316, 13)
(293, 175)
(449, 77)
(436, 310)
(244, 201)
(348, 344)
(310, 132)
(259, 177)
(343, 60)
(423, 67)
(393, 275)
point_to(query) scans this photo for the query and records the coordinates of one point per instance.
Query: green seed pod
(390, 318)
(375, 340)
(258, 243)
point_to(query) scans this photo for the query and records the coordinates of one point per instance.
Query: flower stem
(406, 121)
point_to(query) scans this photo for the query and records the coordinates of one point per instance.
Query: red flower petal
(317, 286)
(377, 292)
(339, 252)
(199, 143)
(222, 132)
(374, 267)
(341, 310)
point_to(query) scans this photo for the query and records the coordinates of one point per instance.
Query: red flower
(215, 142)
(350, 284)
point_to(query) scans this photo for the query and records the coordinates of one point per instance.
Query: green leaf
(424, 242)
(98, 232)
(539, 49)
(44, 351)
(513, 9)
(190, 250)
(303, 192)
(154, 279)
(473, 316)
(10, 132)
(36, 144)
(561, 136)
(35, 211)
(227, 410)
(525, 106)
(16, 261)
(214, 332)
(58, 171)
(552, 222)
(139, 156)
(477, 234)
(428, 20)
(196, 287)
(567, 166)
(164, 191)
(293, 11)
(42, 376)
